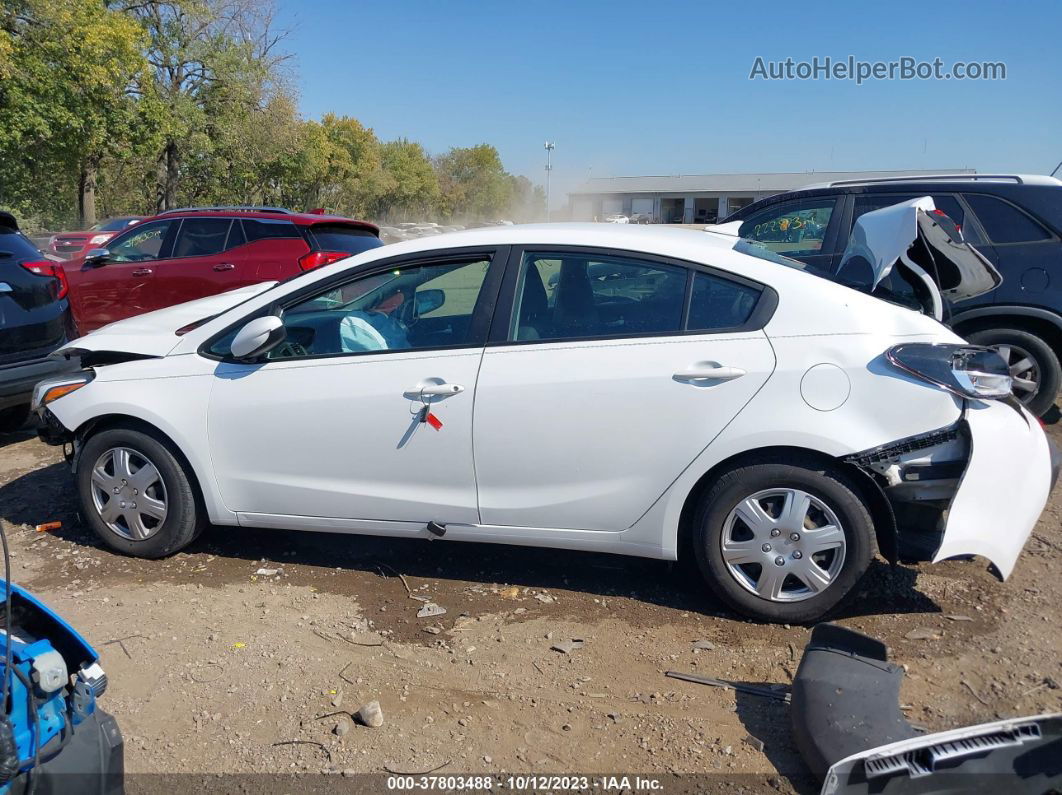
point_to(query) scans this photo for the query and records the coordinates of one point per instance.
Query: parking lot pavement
(211, 663)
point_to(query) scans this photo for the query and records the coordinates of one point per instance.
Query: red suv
(181, 255)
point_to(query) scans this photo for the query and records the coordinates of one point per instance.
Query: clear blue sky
(652, 87)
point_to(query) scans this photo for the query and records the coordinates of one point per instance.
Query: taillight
(53, 269)
(315, 259)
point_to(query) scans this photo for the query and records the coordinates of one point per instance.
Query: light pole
(550, 146)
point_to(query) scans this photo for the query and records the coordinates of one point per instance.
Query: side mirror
(258, 337)
(97, 256)
(429, 301)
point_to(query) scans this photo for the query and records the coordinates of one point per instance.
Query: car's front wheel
(783, 542)
(137, 494)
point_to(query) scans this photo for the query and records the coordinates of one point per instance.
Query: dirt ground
(211, 665)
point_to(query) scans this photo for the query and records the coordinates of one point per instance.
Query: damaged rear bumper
(975, 488)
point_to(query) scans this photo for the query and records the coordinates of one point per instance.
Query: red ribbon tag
(433, 421)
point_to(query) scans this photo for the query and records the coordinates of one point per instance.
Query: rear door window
(201, 237)
(944, 202)
(1003, 222)
(13, 245)
(350, 239)
(565, 296)
(719, 303)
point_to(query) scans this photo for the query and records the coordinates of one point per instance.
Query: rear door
(273, 247)
(1026, 252)
(607, 375)
(124, 284)
(207, 257)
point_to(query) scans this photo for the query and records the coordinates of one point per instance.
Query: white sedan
(635, 390)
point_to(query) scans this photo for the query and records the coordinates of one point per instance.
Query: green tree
(411, 186)
(65, 99)
(473, 183)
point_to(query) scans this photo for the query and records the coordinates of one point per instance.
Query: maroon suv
(181, 255)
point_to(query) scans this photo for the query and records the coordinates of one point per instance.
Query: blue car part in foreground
(53, 736)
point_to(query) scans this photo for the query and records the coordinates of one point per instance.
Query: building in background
(702, 198)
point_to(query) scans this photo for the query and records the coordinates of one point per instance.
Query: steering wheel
(288, 350)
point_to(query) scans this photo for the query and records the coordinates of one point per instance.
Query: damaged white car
(624, 389)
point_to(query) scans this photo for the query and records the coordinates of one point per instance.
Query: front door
(616, 371)
(124, 284)
(332, 423)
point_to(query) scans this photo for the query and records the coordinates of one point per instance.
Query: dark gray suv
(1015, 221)
(34, 320)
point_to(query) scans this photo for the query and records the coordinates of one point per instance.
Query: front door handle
(439, 390)
(142, 272)
(224, 266)
(709, 371)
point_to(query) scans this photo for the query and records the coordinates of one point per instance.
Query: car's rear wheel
(1033, 364)
(783, 542)
(136, 493)
(13, 418)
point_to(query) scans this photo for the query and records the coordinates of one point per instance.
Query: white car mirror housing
(258, 337)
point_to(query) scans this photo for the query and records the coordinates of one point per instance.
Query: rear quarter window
(14, 245)
(1003, 222)
(261, 229)
(351, 239)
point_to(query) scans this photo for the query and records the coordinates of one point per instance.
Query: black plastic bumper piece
(92, 763)
(845, 698)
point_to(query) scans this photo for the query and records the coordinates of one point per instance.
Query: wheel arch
(105, 422)
(881, 513)
(1045, 324)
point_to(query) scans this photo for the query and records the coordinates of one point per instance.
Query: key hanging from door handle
(709, 371)
(224, 266)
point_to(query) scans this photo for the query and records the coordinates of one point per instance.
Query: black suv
(34, 320)
(1015, 221)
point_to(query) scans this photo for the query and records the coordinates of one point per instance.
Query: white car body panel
(602, 427)
(1004, 489)
(338, 437)
(273, 449)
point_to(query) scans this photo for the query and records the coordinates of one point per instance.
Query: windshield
(112, 224)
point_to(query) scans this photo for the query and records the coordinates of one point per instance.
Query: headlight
(96, 239)
(54, 388)
(965, 370)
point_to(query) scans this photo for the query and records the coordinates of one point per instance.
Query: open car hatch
(914, 253)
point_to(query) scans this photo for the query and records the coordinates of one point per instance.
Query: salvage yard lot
(211, 664)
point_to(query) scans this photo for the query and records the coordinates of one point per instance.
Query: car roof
(266, 214)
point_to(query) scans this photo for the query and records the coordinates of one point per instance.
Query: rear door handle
(142, 272)
(709, 371)
(224, 266)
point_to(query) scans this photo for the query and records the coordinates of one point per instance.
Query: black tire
(185, 517)
(1045, 358)
(829, 485)
(13, 418)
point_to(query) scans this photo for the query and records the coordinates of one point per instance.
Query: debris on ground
(568, 646)
(267, 572)
(545, 598)
(430, 610)
(922, 633)
(777, 692)
(703, 645)
(753, 742)
(49, 526)
(371, 715)
(512, 592)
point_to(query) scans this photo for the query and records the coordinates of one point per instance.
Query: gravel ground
(212, 664)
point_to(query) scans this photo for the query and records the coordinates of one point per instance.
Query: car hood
(154, 333)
